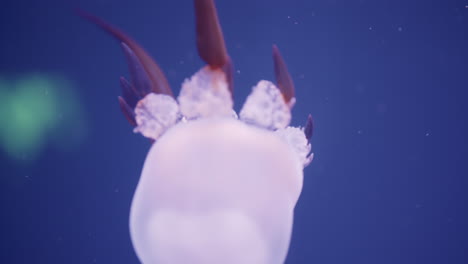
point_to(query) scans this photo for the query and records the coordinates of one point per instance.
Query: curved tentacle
(309, 128)
(140, 78)
(210, 39)
(127, 111)
(129, 94)
(283, 79)
(159, 83)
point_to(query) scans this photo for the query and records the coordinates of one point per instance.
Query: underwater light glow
(34, 111)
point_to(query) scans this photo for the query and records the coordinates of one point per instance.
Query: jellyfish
(216, 186)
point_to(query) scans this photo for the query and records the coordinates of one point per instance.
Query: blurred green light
(37, 110)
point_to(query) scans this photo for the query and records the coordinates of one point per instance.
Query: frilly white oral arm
(265, 107)
(154, 114)
(206, 94)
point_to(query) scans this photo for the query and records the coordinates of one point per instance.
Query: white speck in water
(382, 108)
(400, 29)
(427, 134)
(360, 88)
(370, 28)
(238, 71)
(289, 17)
(359, 132)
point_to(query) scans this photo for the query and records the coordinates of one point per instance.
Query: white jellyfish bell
(216, 187)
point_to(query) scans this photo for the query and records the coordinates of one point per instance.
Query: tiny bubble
(360, 88)
(289, 17)
(370, 28)
(381, 108)
(400, 29)
(359, 132)
(295, 23)
(238, 71)
(182, 62)
(116, 190)
(427, 134)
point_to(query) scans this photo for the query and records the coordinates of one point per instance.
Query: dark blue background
(386, 82)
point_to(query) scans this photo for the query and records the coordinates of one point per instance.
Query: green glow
(35, 111)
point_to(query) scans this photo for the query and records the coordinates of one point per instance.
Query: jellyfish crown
(216, 186)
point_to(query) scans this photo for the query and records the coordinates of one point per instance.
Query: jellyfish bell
(216, 186)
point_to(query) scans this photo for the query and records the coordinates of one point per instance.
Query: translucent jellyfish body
(216, 190)
(216, 187)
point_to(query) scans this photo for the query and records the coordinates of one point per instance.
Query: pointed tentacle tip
(82, 13)
(127, 111)
(210, 39)
(309, 128)
(129, 93)
(139, 76)
(283, 78)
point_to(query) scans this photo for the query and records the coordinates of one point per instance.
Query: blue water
(385, 80)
